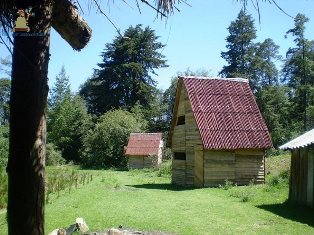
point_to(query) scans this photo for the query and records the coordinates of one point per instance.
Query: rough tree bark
(29, 90)
(28, 123)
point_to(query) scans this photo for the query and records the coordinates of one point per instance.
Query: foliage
(280, 180)
(104, 145)
(124, 78)
(276, 164)
(244, 193)
(4, 145)
(61, 89)
(298, 73)
(167, 153)
(240, 46)
(155, 113)
(227, 185)
(165, 169)
(275, 107)
(53, 156)
(67, 125)
(5, 67)
(68, 120)
(63, 179)
(254, 61)
(168, 101)
(5, 88)
(263, 68)
(3, 188)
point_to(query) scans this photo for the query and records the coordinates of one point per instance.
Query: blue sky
(195, 36)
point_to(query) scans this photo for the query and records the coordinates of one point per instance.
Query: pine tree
(298, 72)
(61, 89)
(263, 69)
(68, 120)
(240, 46)
(124, 78)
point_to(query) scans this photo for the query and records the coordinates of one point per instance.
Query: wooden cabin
(301, 185)
(144, 150)
(217, 133)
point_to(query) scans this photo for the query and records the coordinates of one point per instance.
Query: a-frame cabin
(217, 133)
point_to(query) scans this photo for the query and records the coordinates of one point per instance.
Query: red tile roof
(142, 144)
(226, 114)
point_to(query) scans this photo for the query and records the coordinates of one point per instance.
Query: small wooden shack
(301, 185)
(217, 133)
(144, 150)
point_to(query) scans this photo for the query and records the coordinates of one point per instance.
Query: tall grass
(61, 179)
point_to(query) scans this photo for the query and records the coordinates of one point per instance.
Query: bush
(53, 156)
(167, 154)
(244, 193)
(165, 169)
(282, 179)
(104, 145)
(3, 188)
(227, 185)
(4, 145)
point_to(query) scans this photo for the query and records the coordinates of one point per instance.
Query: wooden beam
(70, 25)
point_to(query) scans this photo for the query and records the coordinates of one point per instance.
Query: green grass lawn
(141, 200)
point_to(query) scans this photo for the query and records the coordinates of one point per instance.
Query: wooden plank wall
(178, 144)
(240, 167)
(150, 161)
(310, 178)
(136, 162)
(139, 162)
(301, 176)
(186, 138)
(178, 172)
(249, 165)
(218, 166)
(199, 168)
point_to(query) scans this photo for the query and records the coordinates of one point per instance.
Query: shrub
(167, 154)
(227, 185)
(104, 145)
(244, 193)
(282, 179)
(165, 169)
(3, 188)
(4, 145)
(53, 156)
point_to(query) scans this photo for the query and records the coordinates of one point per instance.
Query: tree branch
(70, 25)
(102, 12)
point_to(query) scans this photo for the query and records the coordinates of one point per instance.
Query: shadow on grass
(170, 187)
(302, 214)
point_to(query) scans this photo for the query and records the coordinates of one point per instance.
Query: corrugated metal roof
(303, 140)
(226, 113)
(143, 144)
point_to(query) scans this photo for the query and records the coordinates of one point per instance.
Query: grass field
(141, 200)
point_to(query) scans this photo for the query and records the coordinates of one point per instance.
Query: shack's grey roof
(303, 140)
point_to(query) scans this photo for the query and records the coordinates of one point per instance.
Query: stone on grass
(114, 231)
(79, 226)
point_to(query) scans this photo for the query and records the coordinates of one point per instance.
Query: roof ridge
(144, 133)
(217, 78)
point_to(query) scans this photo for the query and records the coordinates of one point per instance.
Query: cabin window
(181, 120)
(179, 156)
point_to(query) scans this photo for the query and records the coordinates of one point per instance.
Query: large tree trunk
(26, 166)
